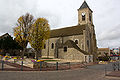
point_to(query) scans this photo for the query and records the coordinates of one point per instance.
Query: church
(76, 42)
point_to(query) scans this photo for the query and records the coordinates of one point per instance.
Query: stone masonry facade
(75, 42)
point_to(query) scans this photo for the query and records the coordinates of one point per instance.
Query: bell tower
(84, 14)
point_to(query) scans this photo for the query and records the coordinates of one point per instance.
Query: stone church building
(75, 42)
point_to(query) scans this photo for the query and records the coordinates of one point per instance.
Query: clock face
(83, 13)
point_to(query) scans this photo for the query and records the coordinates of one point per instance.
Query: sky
(63, 13)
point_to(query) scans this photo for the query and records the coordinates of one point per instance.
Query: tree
(21, 32)
(39, 33)
(7, 44)
(106, 54)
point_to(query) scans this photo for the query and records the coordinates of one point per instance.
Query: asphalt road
(95, 72)
(108, 67)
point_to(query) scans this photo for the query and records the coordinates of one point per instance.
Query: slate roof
(72, 44)
(84, 5)
(6, 34)
(68, 31)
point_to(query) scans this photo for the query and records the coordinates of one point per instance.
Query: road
(108, 67)
(95, 72)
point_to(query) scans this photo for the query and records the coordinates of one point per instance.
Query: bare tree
(21, 31)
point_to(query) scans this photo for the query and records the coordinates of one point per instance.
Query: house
(8, 46)
(103, 52)
(2, 37)
(5, 35)
(75, 42)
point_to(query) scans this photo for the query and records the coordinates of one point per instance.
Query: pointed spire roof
(84, 5)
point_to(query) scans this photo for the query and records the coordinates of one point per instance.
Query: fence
(18, 64)
(111, 67)
(12, 65)
(41, 66)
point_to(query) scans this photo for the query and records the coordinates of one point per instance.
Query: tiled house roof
(68, 31)
(103, 49)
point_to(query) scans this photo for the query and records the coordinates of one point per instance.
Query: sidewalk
(114, 74)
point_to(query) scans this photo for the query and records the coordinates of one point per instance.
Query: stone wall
(48, 51)
(87, 12)
(71, 54)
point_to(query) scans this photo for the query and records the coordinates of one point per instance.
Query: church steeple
(84, 5)
(84, 14)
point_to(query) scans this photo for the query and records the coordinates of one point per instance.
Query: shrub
(104, 58)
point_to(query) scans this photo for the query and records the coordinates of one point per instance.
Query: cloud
(110, 37)
(63, 13)
(110, 34)
(12, 10)
(109, 43)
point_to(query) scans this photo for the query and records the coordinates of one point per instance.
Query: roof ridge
(64, 27)
(84, 5)
(76, 46)
(4, 35)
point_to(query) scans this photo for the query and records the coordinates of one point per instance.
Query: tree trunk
(36, 55)
(40, 53)
(23, 52)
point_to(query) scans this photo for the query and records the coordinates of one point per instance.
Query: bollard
(2, 65)
(14, 60)
(69, 65)
(21, 65)
(105, 70)
(118, 66)
(56, 65)
(40, 65)
(114, 66)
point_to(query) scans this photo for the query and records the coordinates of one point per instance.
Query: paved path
(95, 72)
(79, 74)
(101, 67)
(6, 66)
(108, 70)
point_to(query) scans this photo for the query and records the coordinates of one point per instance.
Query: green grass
(51, 60)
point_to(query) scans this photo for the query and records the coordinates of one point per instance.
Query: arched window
(52, 45)
(88, 43)
(65, 49)
(82, 46)
(83, 16)
(76, 41)
(90, 35)
(85, 58)
(90, 18)
(44, 46)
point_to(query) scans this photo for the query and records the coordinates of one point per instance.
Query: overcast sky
(63, 13)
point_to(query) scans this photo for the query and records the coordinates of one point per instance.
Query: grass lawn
(51, 60)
